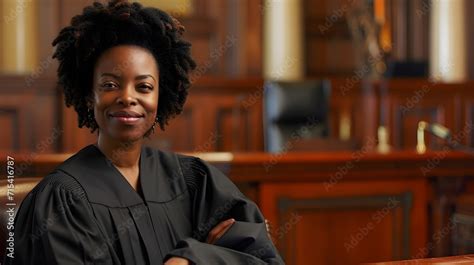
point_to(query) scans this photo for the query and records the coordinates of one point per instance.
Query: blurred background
(348, 121)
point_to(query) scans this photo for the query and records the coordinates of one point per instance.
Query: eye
(145, 87)
(108, 85)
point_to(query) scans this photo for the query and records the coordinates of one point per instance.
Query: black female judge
(124, 68)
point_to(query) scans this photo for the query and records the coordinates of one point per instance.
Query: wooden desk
(343, 207)
(466, 259)
(338, 208)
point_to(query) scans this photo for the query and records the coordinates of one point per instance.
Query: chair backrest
(21, 187)
(295, 111)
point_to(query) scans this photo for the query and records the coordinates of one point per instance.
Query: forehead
(126, 59)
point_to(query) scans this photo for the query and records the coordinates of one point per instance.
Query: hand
(177, 261)
(219, 230)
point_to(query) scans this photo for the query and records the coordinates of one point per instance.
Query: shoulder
(58, 182)
(50, 197)
(190, 168)
(187, 164)
(196, 172)
(200, 174)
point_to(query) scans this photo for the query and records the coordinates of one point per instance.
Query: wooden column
(448, 55)
(283, 40)
(18, 27)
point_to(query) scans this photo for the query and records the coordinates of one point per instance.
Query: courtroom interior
(348, 122)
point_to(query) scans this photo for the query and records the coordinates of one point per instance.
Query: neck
(122, 154)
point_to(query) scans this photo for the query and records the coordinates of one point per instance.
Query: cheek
(99, 116)
(100, 105)
(99, 108)
(151, 104)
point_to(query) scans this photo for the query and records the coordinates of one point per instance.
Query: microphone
(437, 130)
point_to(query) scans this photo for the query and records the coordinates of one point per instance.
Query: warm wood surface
(305, 166)
(360, 221)
(466, 259)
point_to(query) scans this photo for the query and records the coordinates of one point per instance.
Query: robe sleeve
(55, 225)
(215, 199)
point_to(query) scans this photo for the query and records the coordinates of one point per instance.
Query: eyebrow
(140, 77)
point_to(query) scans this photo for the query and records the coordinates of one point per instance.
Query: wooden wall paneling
(254, 119)
(328, 41)
(368, 113)
(469, 114)
(341, 106)
(447, 190)
(419, 99)
(235, 121)
(322, 11)
(467, 119)
(227, 119)
(343, 118)
(410, 32)
(204, 129)
(460, 129)
(329, 57)
(405, 124)
(244, 27)
(12, 119)
(233, 39)
(201, 7)
(348, 222)
(199, 31)
(28, 115)
(179, 134)
(253, 38)
(236, 23)
(400, 34)
(354, 104)
(219, 40)
(238, 127)
(45, 129)
(70, 8)
(238, 111)
(230, 120)
(413, 101)
(418, 20)
(218, 50)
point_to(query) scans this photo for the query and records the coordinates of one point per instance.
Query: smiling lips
(126, 116)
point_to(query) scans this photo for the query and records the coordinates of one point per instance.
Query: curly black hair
(101, 27)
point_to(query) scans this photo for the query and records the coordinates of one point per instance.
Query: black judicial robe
(85, 212)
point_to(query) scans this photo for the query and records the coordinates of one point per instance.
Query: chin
(128, 136)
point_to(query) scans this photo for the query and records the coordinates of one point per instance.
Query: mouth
(126, 116)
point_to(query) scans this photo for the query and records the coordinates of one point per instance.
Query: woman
(125, 70)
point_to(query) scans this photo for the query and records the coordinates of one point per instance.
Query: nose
(127, 96)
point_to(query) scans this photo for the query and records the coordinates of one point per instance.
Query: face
(125, 92)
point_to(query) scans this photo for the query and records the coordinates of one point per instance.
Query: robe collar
(161, 177)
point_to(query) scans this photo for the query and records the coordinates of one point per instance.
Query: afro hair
(103, 26)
